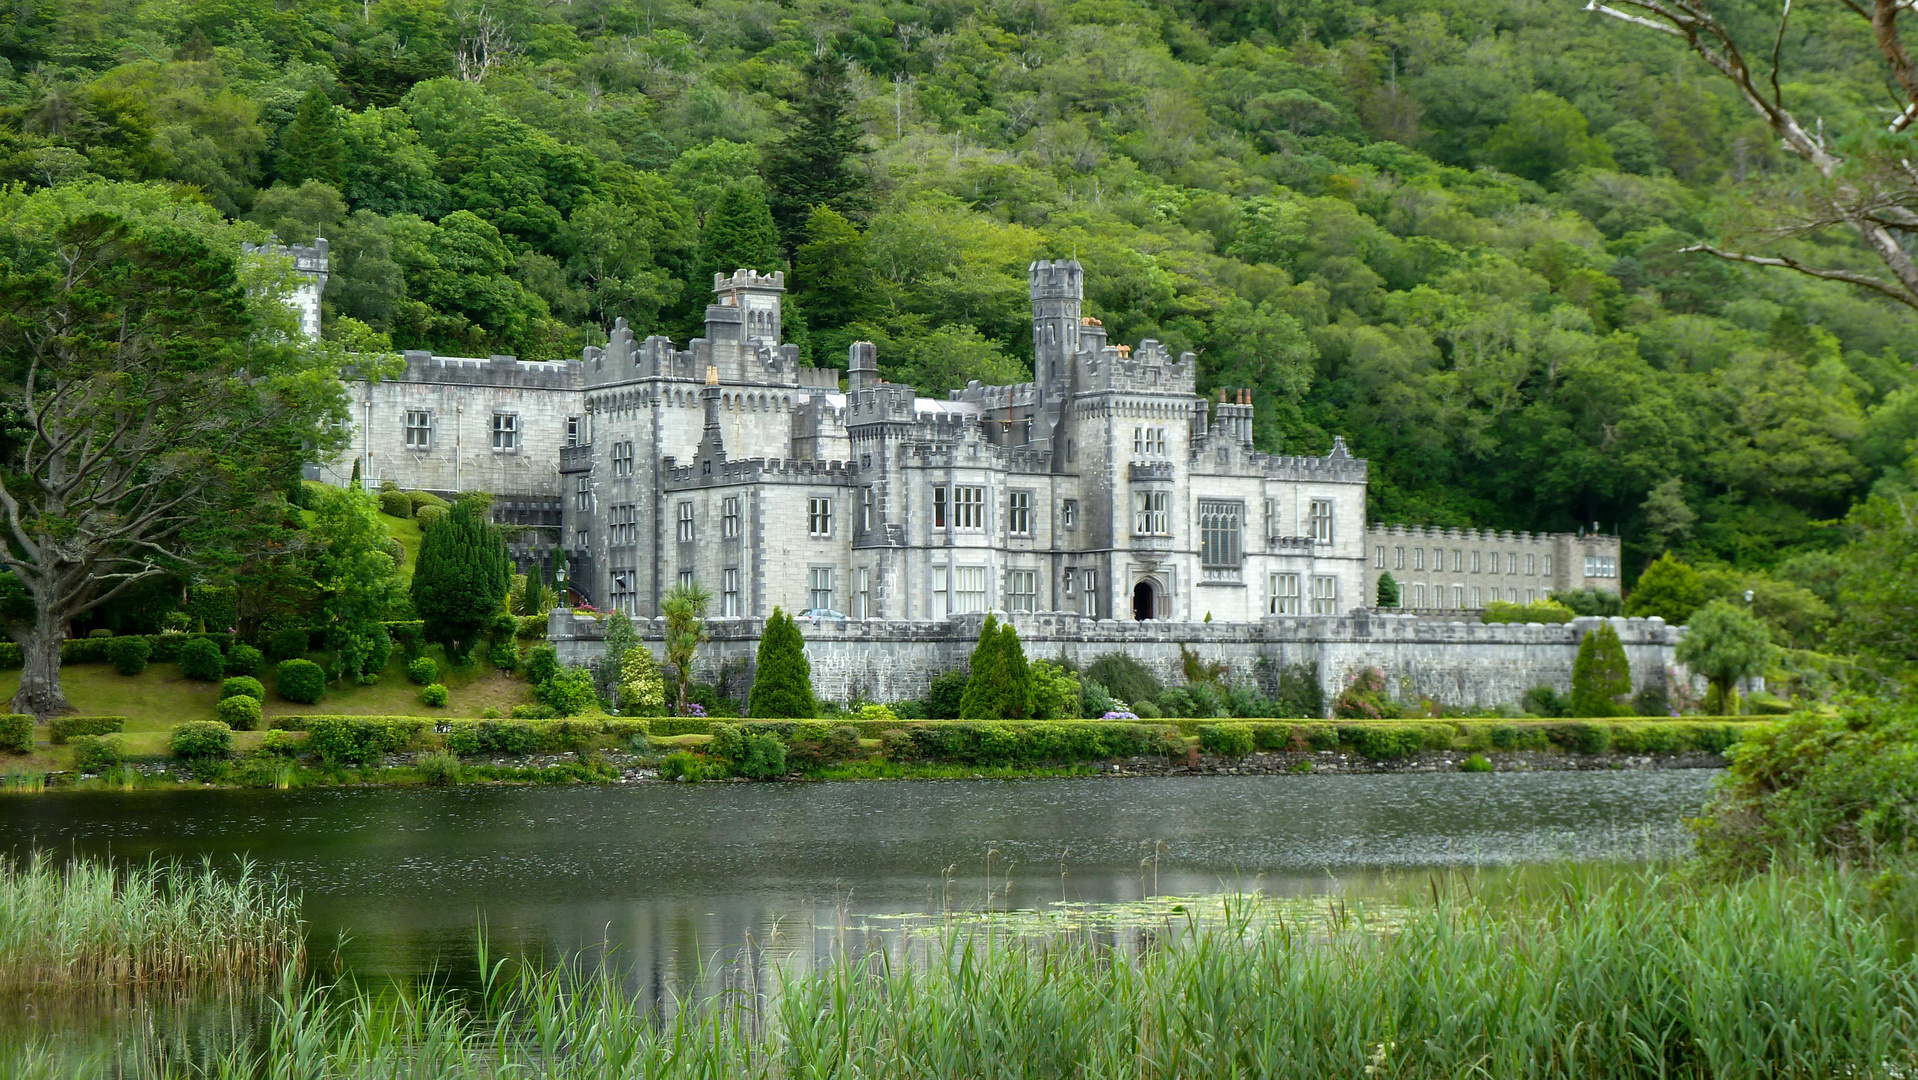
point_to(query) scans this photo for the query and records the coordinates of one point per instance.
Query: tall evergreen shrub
(461, 578)
(782, 680)
(1001, 683)
(1600, 676)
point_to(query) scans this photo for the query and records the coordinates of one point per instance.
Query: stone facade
(1464, 569)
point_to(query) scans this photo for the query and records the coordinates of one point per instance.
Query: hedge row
(363, 740)
(62, 728)
(16, 733)
(166, 647)
(996, 743)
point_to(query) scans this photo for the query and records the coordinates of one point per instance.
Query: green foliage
(301, 681)
(62, 728)
(1601, 676)
(540, 664)
(739, 235)
(1879, 589)
(202, 660)
(1725, 643)
(642, 692)
(288, 643)
(685, 766)
(16, 733)
(460, 578)
(423, 670)
(1001, 684)
(312, 146)
(1228, 740)
(96, 753)
(437, 768)
(1300, 694)
(685, 612)
(946, 694)
(569, 692)
(1056, 694)
(1014, 744)
(129, 654)
(817, 163)
(202, 740)
(754, 755)
(1590, 602)
(782, 676)
(395, 503)
(1539, 611)
(1669, 589)
(1546, 701)
(434, 695)
(1477, 763)
(243, 659)
(243, 686)
(239, 713)
(1126, 678)
(1388, 591)
(1364, 698)
(361, 740)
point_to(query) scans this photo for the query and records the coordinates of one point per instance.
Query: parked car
(821, 614)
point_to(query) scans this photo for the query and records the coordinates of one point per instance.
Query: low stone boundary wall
(1461, 664)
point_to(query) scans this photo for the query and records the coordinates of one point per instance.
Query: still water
(675, 876)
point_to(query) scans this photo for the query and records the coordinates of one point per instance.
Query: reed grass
(87, 925)
(1585, 978)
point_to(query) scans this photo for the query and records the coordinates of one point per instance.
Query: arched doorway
(1145, 601)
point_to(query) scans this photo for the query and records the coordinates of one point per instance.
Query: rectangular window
(685, 522)
(1151, 513)
(865, 509)
(729, 593)
(1378, 557)
(1418, 594)
(1548, 566)
(623, 525)
(1322, 521)
(623, 459)
(1495, 562)
(1418, 558)
(1271, 517)
(1069, 513)
(1603, 566)
(575, 428)
(1476, 561)
(939, 507)
(1138, 440)
(818, 519)
(862, 594)
(419, 429)
(1022, 590)
(1476, 594)
(1325, 594)
(1458, 560)
(1458, 597)
(968, 507)
(1283, 598)
(819, 581)
(582, 539)
(1089, 597)
(625, 591)
(969, 590)
(1531, 564)
(506, 432)
(941, 598)
(1511, 596)
(1531, 595)
(1220, 540)
(1019, 513)
(583, 493)
(1398, 558)
(729, 517)
(687, 579)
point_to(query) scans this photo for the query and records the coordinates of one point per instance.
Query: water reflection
(672, 877)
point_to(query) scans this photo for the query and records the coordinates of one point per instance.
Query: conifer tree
(1388, 591)
(739, 234)
(312, 146)
(782, 677)
(1001, 684)
(1601, 675)
(818, 163)
(461, 577)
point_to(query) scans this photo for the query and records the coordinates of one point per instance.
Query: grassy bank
(1584, 976)
(88, 926)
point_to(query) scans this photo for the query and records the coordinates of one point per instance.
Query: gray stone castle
(1104, 493)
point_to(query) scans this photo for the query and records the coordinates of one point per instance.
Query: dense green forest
(1448, 232)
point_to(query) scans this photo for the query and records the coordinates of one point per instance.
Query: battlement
(724, 284)
(1056, 279)
(758, 471)
(1451, 534)
(1148, 369)
(499, 370)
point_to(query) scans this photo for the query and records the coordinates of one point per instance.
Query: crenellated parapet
(499, 370)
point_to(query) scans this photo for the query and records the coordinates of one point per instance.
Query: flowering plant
(1119, 716)
(693, 708)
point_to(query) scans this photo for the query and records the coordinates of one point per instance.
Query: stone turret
(745, 307)
(1058, 292)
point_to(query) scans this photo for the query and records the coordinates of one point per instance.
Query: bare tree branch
(1888, 288)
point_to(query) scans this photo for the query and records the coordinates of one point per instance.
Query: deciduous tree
(1725, 643)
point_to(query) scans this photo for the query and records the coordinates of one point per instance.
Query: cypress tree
(1015, 699)
(311, 145)
(782, 679)
(739, 234)
(1388, 591)
(818, 163)
(1001, 683)
(977, 700)
(461, 577)
(1601, 675)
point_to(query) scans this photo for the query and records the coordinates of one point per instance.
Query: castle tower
(1058, 288)
(745, 307)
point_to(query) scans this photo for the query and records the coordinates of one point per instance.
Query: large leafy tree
(1725, 643)
(461, 577)
(159, 396)
(360, 581)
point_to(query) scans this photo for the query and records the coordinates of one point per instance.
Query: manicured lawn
(407, 531)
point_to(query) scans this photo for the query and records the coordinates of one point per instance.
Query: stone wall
(1460, 664)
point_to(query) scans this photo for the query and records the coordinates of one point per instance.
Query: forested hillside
(1449, 232)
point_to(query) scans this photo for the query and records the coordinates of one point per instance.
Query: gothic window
(1271, 517)
(419, 429)
(1495, 562)
(818, 519)
(1069, 513)
(625, 524)
(1322, 520)
(506, 432)
(1283, 596)
(1458, 596)
(1151, 513)
(1398, 558)
(1022, 590)
(685, 522)
(1418, 558)
(968, 507)
(1378, 557)
(729, 593)
(969, 590)
(865, 509)
(1531, 595)
(1418, 594)
(1325, 595)
(1548, 566)
(819, 581)
(1475, 561)
(1475, 597)
(1531, 564)
(1019, 513)
(1458, 560)
(729, 517)
(1220, 543)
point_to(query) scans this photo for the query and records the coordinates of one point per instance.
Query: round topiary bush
(239, 713)
(430, 515)
(287, 643)
(433, 694)
(423, 670)
(243, 686)
(103, 632)
(129, 654)
(197, 740)
(243, 660)
(201, 659)
(300, 680)
(395, 503)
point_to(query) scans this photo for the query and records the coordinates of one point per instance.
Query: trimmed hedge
(469, 738)
(1231, 740)
(165, 648)
(202, 660)
(199, 739)
(16, 733)
(998, 743)
(244, 659)
(95, 753)
(62, 728)
(243, 686)
(361, 740)
(129, 655)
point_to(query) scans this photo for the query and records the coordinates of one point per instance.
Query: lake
(673, 876)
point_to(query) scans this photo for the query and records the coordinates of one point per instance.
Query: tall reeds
(86, 924)
(1587, 979)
